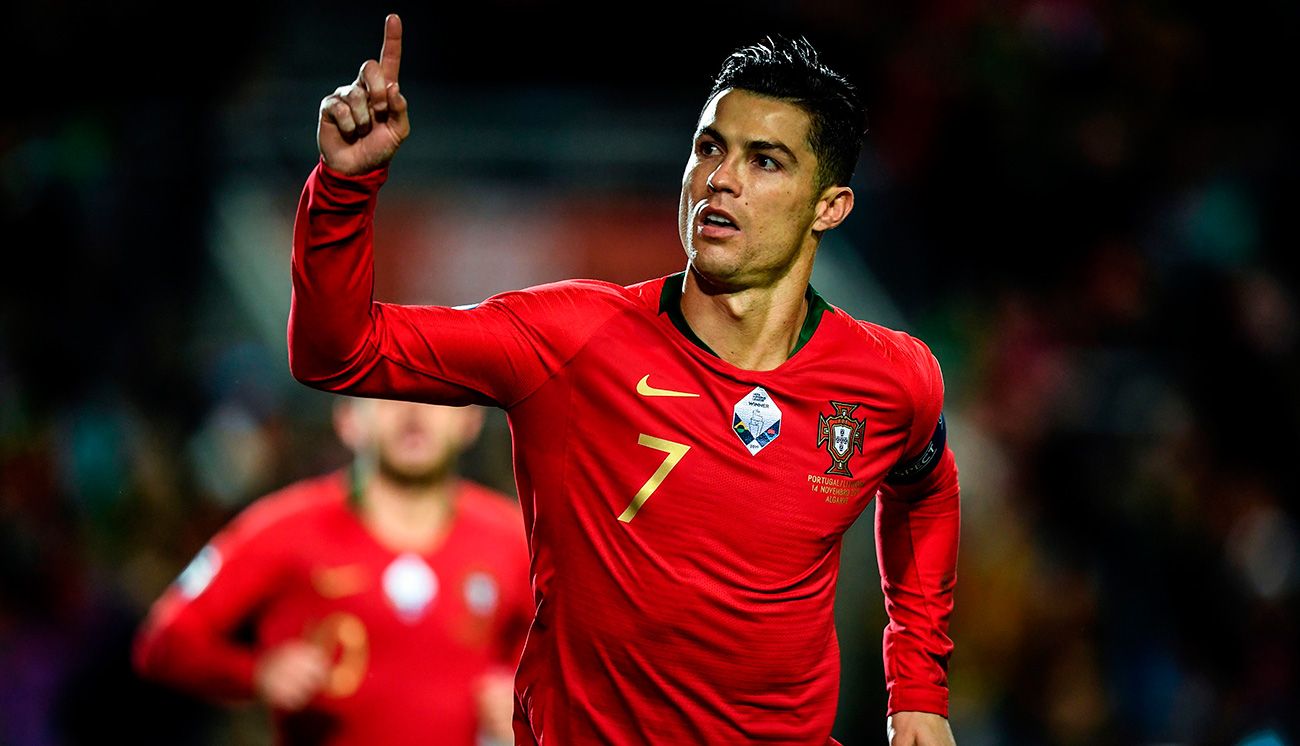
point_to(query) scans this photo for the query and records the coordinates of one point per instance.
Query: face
(411, 443)
(750, 205)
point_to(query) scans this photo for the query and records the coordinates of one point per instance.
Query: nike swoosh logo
(644, 388)
(337, 582)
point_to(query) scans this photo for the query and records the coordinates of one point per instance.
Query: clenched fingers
(371, 78)
(397, 107)
(348, 108)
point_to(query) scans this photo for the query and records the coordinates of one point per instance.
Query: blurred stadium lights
(1264, 738)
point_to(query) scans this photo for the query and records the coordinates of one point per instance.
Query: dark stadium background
(1088, 208)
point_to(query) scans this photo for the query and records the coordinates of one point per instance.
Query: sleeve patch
(915, 469)
(194, 579)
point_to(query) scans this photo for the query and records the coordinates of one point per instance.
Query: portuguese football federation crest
(841, 433)
(410, 585)
(756, 420)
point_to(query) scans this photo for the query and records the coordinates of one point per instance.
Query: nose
(723, 178)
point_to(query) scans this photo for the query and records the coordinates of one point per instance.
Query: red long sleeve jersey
(684, 516)
(410, 633)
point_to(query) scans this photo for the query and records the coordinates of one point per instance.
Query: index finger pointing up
(390, 56)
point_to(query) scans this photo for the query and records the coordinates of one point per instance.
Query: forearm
(917, 533)
(177, 649)
(341, 340)
(331, 327)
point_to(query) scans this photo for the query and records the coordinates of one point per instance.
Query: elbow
(145, 657)
(321, 362)
(313, 369)
(304, 362)
(301, 372)
(333, 376)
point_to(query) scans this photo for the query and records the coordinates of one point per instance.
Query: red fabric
(708, 617)
(299, 563)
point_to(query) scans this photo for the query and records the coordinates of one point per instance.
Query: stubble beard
(414, 477)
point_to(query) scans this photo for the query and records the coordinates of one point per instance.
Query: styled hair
(789, 69)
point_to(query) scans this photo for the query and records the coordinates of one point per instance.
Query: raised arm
(336, 333)
(341, 340)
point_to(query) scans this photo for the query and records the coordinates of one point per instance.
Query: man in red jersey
(688, 450)
(389, 602)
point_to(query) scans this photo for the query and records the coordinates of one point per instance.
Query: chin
(412, 472)
(720, 272)
(715, 263)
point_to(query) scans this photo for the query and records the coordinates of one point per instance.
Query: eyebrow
(752, 144)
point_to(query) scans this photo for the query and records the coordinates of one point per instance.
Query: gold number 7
(675, 452)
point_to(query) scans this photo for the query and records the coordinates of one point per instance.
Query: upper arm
(496, 352)
(928, 433)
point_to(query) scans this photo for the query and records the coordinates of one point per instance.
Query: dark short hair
(789, 69)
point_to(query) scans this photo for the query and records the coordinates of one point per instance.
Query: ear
(348, 423)
(833, 207)
(471, 425)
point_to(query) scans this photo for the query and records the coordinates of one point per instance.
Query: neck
(407, 517)
(753, 328)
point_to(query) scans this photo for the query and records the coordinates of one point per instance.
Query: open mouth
(715, 223)
(718, 220)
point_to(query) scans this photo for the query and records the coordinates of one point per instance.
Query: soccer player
(388, 601)
(689, 450)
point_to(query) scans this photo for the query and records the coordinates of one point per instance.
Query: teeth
(717, 220)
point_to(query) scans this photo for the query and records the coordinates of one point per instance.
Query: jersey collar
(670, 302)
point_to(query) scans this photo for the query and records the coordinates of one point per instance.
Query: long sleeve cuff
(918, 698)
(340, 191)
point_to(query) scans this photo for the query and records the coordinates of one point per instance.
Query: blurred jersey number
(343, 638)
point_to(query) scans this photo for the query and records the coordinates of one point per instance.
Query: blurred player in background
(388, 602)
(689, 450)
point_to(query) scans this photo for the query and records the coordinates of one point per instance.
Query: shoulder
(287, 508)
(905, 362)
(910, 357)
(893, 356)
(570, 297)
(559, 315)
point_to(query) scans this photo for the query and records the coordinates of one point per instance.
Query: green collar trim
(670, 302)
(817, 305)
(356, 484)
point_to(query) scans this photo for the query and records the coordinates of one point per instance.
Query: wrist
(918, 698)
(369, 180)
(335, 192)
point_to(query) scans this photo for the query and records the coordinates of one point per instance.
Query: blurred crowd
(1083, 206)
